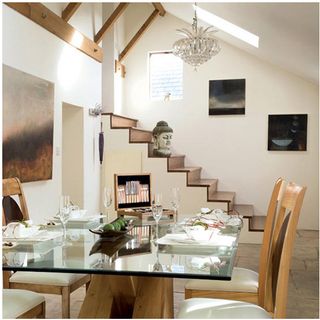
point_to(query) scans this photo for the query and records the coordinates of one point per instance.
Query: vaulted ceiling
(289, 32)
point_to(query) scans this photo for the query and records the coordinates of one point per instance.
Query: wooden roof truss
(59, 26)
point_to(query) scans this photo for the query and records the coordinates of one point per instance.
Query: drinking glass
(64, 213)
(157, 210)
(175, 203)
(157, 266)
(107, 199)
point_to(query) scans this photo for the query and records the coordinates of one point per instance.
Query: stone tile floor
(303, 297)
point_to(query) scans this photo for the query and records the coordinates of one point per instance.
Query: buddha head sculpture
(162, 135)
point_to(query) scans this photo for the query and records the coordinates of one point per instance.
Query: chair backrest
(278, 265)
(267, 236)
(12, 187)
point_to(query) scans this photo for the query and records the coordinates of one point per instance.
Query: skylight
(228, 27)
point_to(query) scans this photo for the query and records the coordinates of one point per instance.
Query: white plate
(183, 239)
(80, 219)
(43, 235)
(86, 218)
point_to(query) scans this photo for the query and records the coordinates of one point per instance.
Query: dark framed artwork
(227, 96)
(287, 132)
(28, 104)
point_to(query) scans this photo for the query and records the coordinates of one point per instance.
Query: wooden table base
(128, 297)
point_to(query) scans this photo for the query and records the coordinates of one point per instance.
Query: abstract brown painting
(28, 103)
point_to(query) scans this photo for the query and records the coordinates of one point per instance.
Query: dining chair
(273, 304)
(42, 282)
(245, 283)
(22, 304)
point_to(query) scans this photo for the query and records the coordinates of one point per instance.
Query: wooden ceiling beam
(160, 8)
(138, 35)
(69, 10)
(111, 20)
(47, 19)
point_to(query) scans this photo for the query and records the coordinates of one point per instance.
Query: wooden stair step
(222, 196)
(176, 161)
(185, 169)
(203, 182)
(245, 210)
(139, 135)
(120, 122)
(256, 223)
(193, 173)
(210, 184)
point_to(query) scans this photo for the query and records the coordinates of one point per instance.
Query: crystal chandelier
(198, 45)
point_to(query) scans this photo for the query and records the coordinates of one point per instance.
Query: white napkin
(19, 230)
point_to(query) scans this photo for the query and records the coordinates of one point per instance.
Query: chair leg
(65, 302)
(42, 315)
(87, 285)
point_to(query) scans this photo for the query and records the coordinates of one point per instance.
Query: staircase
(175, 164)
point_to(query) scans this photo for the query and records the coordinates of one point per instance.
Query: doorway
(72, 153)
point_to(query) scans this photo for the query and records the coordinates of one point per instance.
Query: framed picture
(28, 111)
(227, 96)
(132, 191)
(287, 132)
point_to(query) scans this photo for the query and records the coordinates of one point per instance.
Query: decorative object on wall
(198, 45)
(96, 111)
(27, 126)
(227, 96)
(287, 132)
(162, 135)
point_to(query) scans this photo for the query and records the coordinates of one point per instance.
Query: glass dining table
(131, 276)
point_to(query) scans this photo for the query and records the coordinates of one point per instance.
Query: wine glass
(64, 213)
(107, 199)
(175, 203)
(157, 266)
(157, 210)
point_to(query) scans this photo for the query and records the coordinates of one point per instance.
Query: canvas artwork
(287, 132)
(28, 104)
(227, 96)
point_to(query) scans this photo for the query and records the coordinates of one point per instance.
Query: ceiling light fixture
(198, 45)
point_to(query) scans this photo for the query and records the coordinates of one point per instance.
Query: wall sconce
(96, 111)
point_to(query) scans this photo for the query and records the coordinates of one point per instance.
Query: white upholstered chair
(18, 303)
(42, 282)
(245, 283)
(273, 304)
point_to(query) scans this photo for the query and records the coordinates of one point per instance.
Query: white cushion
(205, 308)
(15, 302)
(243, 280)
(46, 278)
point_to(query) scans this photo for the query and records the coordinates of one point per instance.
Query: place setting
(25, 231)
(206, 228)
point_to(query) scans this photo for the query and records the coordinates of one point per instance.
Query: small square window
(165, 76)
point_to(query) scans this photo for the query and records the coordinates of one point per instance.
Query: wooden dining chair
(22, 304)
(273, 304)
(42, 282)
(245, 283)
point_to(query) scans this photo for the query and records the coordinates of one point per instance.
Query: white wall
(77, 78)
(230, 148)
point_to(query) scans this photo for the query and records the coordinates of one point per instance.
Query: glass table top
(138, 253)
